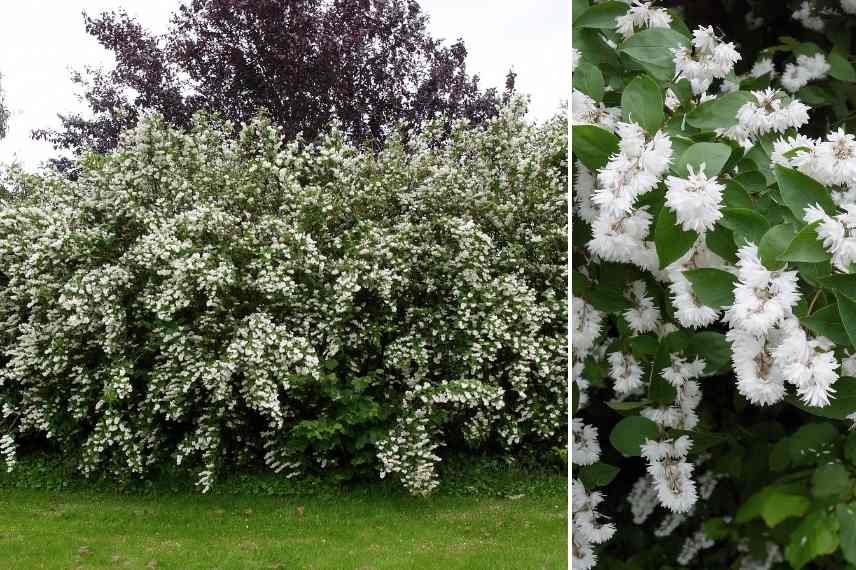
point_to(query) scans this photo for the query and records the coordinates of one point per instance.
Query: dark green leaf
(630, 433)
(735, 196)
(840, 282)
(670, 239)
(720, 240)
(846, 514)
(830, 480)
(806, 247)
(596, 475)
(827, 322)
(713, 347)
(817, 535)
(842, 404)
(840, 68)
(847, 311)
(589, 80)
(799, 191)
(652, 48)
(593, 145)
(719, 113)
(601, 16)
(712, 155)
(747, 225)
(777, 506)
(713, 287)
(642, 103)
(625, 406)
(773, 244)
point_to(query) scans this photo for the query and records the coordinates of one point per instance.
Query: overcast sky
(41, 41)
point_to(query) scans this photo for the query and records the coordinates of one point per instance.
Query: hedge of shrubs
(217, 298)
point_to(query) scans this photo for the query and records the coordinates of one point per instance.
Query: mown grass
(472, 523)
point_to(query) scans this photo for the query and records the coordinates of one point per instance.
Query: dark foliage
(365, 63)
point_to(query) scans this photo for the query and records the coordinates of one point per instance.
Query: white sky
(41, 41)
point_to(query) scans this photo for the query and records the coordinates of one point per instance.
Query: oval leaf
(593, 145)
(713, 287)
(630, 433)
(712, 155)
(719, 113)
(642, 103)
(670, 239)
(799, 191)
(806, 247)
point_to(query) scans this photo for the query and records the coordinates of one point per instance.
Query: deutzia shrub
(713, 310)
(217, 299)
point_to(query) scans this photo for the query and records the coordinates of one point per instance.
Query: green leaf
(827, 322)
(625, 406)
(830, 480)
(850, 447)
(652, 49)
(713, 287)
(578, 8)
(630, 433)
(575, 396)
(609, 300)
(719, 113)
(593, 145)
(712, 155)
(773, 244)
(597, 475)
(840, 68)
(644, 344)
(778, 506)
(642, 103)
(815, 536)
(713, 347)
(799, 191)
(588, 79)
(747, 225)
(847, 310)
(846, 514)
(601, 16)
(720, 240)
(840, 282)
(736, 196)
(670, 239)
(806, 247)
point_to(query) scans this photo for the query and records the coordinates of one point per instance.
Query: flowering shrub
(714, 300)
(213, 298)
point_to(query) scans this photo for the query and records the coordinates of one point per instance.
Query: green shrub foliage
(217, 299)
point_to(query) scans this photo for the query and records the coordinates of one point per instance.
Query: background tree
(4, 111)
(365, 63)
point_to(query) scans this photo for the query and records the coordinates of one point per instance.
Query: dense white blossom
(644, 316)
(588, 527)
(625, 373)
(838, 233)
(671, 473)
(762, 67)
(807, 68)
(709, 59)
(770, 112)
(695, 199)
(641, 15)
(585, 110)
(849, 6)
(585, 448)
(808, 17)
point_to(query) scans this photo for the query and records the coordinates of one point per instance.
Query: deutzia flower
(626, 373)
(809, 365)
(620, 238)
(695, 199)
(763, 67)
(807, 18)
(759, 376)
(671, 473)
(585, 449)
(762, 298)
(588, 528)
(587, 111)
(770, 113)
(586, 322)
(806, 68)
(641, 15)
(575, 58)
(849, 6)
(634, 170)
(583, 190)
(644, 316)
(838, 234)
(681, 370)
(711, 59)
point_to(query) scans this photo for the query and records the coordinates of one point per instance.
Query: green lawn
(98, 529)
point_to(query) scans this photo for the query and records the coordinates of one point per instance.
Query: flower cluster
(709, 59)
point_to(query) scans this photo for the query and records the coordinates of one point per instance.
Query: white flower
(763, 67)
(762, 298)
(807, 364)
(805, 16)
(620, 238)
(759, 377)
(585, 449)
(681, 370)
(588, 528)
(838, 234)
(583, 190)
(695, 199)
(672, 101)
(849, 6)
(640, 15)
(575, 58)
(587, 111)
(807, 68)
(672, 475)
(711, 59)
(770, 113)
(586, 322)
(626, 373)
(644, 316)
